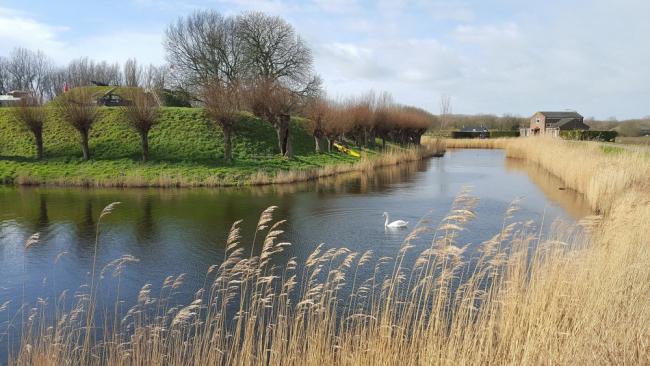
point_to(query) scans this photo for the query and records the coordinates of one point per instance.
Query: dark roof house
(551, 122)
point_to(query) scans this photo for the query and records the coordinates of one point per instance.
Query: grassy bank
(186, 151)
(575, 297)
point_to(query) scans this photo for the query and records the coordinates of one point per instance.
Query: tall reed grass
(390, 157)
(578, 296)
(498, 143)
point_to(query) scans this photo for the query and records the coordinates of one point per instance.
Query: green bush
(589, 135)
(496, 134)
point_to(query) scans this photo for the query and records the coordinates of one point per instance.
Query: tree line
(227, 64)
(35, 73)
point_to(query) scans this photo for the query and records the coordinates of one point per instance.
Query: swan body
(394, 224)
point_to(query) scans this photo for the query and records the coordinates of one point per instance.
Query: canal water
(184, 231)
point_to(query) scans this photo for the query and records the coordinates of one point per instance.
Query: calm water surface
(184, 231)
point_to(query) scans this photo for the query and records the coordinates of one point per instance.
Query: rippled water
(184, 231)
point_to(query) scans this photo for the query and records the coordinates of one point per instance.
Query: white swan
(394, 224)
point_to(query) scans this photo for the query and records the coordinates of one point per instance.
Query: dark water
(184, 231)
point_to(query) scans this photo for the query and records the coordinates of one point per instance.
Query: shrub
(589, 135)
(496, 134)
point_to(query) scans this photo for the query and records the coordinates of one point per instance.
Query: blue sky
(500, 56)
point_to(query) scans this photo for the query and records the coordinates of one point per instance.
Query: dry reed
(498, 143)
(390, 157)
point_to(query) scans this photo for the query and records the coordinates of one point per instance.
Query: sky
(489, 56)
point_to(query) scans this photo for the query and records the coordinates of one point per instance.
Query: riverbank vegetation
(186, 150)
(527, 299)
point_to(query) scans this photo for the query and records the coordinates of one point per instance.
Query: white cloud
(338, 6)
(146, 47)
(487, 33)
(17, 29)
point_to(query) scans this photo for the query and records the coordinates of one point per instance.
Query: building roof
(562, 115)
(564, 121)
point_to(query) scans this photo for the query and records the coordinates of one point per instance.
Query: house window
(538, 120)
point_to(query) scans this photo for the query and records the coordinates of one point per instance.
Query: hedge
(495, 134)
(589, 135)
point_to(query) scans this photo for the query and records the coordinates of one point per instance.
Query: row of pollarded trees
(78, 108)
(364, 119)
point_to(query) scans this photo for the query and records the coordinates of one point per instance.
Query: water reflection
(145, 224)
(573, 203)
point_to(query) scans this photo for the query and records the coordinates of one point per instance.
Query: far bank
(186, 151)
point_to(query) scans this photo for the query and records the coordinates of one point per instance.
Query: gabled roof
(566, 114)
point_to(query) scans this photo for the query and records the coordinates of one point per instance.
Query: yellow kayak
(345, 150)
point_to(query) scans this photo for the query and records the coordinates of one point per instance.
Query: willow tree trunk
(84, 144)
(144, 137)
(371, 138)
(227, 143)
(38, 137)
(282, 129)
(317, 143)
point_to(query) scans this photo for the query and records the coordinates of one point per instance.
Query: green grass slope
(185, 149)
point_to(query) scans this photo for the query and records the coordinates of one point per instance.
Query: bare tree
(281, 65)
(28, 71)
(142, 112)
(445, 110)
(84, 71)
(383, 123)
(4, 76)
(155, 78)
(132, 73)
(31, 114)
(222, 103)
(79, 109)
(318, 111)
(275, 103)
(204, 47)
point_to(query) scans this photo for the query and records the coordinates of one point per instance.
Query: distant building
(551, 123)
(645, 132)
(481, 130)
(12, 98)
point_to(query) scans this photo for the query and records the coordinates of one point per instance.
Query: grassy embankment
(571, 299)
(186, 150)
